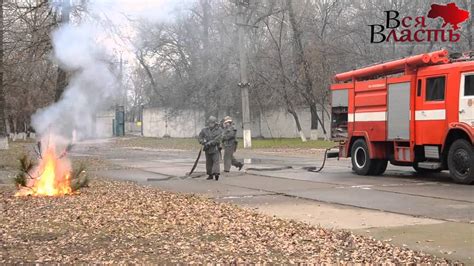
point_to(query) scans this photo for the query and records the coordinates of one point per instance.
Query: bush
(26, 164)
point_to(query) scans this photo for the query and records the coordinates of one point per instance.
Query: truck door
(430, 112)
(466, 99)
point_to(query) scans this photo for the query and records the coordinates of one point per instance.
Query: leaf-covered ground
(112, 222)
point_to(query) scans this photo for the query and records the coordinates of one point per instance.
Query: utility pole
(244, 82)
(61, 81)
(123, 89)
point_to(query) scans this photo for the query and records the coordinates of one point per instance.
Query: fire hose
(195, 163)
(313, 169)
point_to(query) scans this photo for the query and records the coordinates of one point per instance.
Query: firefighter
(210, 137)
(230, 144)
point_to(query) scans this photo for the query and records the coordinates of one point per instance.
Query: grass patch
(293, 143)
(10, 159)
(159, 143)
(192, 144)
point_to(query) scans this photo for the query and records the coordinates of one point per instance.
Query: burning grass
(52, 175)
(112, 222)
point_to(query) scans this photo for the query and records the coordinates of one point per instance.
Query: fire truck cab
(417, 111)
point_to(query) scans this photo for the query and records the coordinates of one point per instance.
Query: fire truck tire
(381, 166)
(361, 162)
(461, 161)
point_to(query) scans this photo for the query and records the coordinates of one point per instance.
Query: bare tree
(28, 72)
(303, 70)
(3, 128)
(294, 49)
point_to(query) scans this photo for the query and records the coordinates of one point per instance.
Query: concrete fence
(161, 122)
(104, 123)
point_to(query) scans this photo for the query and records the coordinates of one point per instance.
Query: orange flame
(50, 178)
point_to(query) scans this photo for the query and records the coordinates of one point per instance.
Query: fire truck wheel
(461, 161)
(380, 167)
(361, 162)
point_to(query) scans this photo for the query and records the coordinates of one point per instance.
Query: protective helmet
(212, 119)
(227, 119)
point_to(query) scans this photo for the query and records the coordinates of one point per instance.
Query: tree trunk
(7, 126)
(15, 129)
(61, 81)
(3, 125)
(314, 121)
(298, 125)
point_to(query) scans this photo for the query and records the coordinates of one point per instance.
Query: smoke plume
(87, 49)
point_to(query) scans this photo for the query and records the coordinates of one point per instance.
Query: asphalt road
(399, 190)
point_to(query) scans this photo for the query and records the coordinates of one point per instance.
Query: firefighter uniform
(230, 145)
(210, 137)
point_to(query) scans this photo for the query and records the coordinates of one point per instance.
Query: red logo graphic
(396, 28)
(450, 13)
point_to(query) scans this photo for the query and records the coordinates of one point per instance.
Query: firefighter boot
(216, 176)
(210, 177)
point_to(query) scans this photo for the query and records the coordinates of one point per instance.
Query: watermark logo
(415, 29)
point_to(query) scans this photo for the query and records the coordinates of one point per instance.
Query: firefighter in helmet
(211, 137)
(230, 144)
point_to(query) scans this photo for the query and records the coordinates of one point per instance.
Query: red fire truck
(417, 111)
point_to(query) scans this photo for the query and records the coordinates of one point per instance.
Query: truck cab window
(418, 88)
(435, 88)
(469, 85)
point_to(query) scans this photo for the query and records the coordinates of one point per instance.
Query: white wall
(104, 124)
(159, 122)
(281, 124)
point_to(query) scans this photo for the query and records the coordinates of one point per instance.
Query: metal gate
(119, 121)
